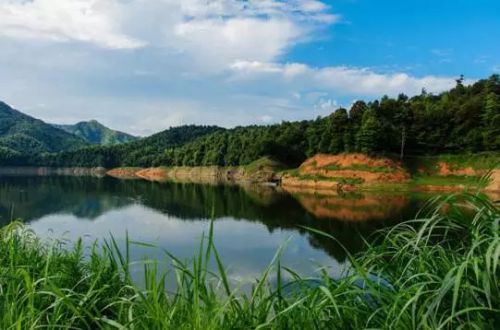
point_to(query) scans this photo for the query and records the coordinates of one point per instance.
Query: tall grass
(440, 271)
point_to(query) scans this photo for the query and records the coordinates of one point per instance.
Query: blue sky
(144, 65)
(445, 37)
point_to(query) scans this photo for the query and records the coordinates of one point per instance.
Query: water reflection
(251, 221)
(352, 206)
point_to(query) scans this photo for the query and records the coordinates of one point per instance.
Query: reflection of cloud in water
(246, 248)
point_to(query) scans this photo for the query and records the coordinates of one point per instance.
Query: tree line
(463, 119)
(140, 153)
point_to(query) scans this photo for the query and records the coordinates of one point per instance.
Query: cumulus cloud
(64, 20)
(223, 41)
(143, 65)
(226, 29)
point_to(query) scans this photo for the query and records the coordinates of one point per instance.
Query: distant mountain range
(96, 133)
(22, 134)
(25, 140)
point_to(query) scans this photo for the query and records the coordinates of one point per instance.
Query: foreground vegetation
(439, 271)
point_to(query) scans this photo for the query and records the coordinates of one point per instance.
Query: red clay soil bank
(369, 170)
(495, 181)
(444, 169)
(447, 169)
(199, 174)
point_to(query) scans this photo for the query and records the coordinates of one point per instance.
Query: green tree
(370, 133)
(340, 128)
(491, 122)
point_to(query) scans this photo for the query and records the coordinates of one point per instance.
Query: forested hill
(143, 152)
(20, 133)
(463, 119)
(96, 133)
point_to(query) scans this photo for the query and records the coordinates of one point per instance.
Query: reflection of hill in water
(89, 198)
(353, 207)
(30, 198)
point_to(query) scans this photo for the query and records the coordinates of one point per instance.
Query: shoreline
(321, 173)
(235, 175)
(48, 171)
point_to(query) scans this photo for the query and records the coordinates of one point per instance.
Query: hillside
(21, 134)
(144, 152)
(96, 133)
(465, 119)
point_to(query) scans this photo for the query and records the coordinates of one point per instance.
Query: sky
(141, 66)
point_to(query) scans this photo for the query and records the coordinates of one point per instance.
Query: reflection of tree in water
(88, 198)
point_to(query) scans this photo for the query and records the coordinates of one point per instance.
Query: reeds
(439, 271)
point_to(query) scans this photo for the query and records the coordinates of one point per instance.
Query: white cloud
(305, 10)
(211, 32)
(341, 80)
(327, 105)
(193, 61)
(63, 20)
(224, 41)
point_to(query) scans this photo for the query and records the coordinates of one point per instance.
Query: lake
(250, 222)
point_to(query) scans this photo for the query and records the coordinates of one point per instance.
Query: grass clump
(359, 167)
(477, 161)
(440, 271)
(450, 180)
(261, 164)
(318, 177)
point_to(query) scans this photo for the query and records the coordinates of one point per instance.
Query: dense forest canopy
(141, 153)
(463, 119)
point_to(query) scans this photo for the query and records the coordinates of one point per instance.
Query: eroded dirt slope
(329, 171)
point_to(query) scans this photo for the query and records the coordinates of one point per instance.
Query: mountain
(21, 134)
(96, 133)
(144, 152)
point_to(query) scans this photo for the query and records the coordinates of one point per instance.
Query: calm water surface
(250, 222)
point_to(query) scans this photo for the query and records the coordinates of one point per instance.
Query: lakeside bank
(344, 172)
(322, 173)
